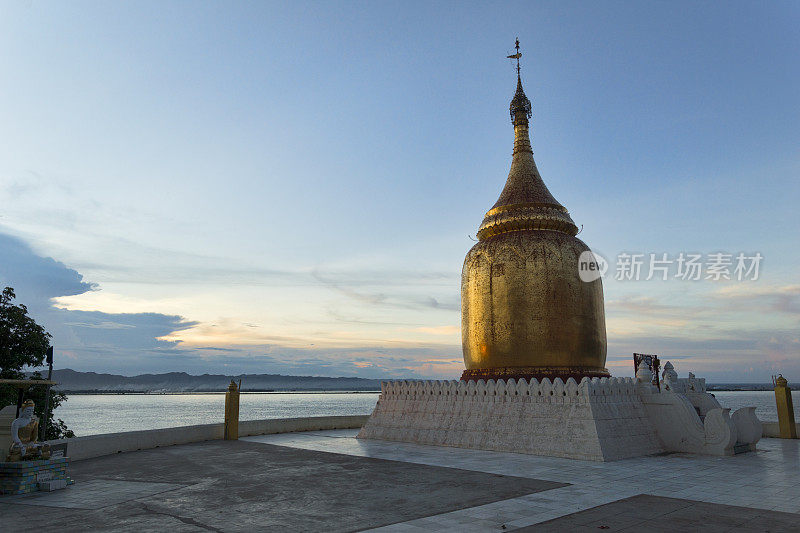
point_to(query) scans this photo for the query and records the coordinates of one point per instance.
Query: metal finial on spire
(516, 56)
(520, 106)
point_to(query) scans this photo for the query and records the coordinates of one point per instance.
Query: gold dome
(524, 310)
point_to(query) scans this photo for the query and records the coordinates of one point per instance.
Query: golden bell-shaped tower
(525, 312)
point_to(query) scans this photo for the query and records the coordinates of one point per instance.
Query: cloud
(723, 354)
(367, 298)
(741, 332)
(440, 330)
(32, 185)
(38, 280)
(354, 285)
(132, 343)
(99, 325)
(781, 299)
(390, 338)
(641, 305)
(433, 303)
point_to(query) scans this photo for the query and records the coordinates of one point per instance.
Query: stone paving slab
(654, 514)
(93, 494)
(765, 480)
(330, 481)
(250, 486)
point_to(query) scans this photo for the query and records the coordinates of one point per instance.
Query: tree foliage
(23, 344)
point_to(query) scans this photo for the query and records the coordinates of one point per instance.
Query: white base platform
(599, 419)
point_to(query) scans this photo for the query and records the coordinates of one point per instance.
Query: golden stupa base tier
(534, 372)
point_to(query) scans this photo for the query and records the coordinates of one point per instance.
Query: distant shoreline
(748, 388)
(74, 382)
(711, 389)
(216, 391)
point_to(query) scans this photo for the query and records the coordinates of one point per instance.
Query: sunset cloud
(274, 208)
(695, 336)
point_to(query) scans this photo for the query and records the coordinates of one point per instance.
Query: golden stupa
(525, 313)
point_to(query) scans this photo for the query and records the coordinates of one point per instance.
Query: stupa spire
(525, 311)
(525, 202)
(520, 107)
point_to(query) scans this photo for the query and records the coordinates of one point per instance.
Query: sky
(291, 187)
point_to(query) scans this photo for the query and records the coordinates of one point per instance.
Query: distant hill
(746, 386)
(72, 381)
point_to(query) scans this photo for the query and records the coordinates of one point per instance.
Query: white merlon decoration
(601, 419)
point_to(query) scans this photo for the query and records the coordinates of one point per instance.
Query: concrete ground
(330, 481)
(767, 481)
(248, 486)
(655, 514)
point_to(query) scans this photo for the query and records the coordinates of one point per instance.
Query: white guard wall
(599, 419)
(99, 445)
(594, 420)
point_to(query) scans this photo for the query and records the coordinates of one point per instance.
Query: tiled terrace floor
(656, 514)
(240, 486)
(288, 483)
(93, 494)
(768, 479)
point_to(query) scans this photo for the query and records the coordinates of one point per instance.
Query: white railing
(128, 441)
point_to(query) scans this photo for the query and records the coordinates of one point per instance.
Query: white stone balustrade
(598, 419)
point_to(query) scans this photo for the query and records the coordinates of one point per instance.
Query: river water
(91, 414)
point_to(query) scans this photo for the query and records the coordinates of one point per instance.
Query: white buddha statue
(24, 434)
